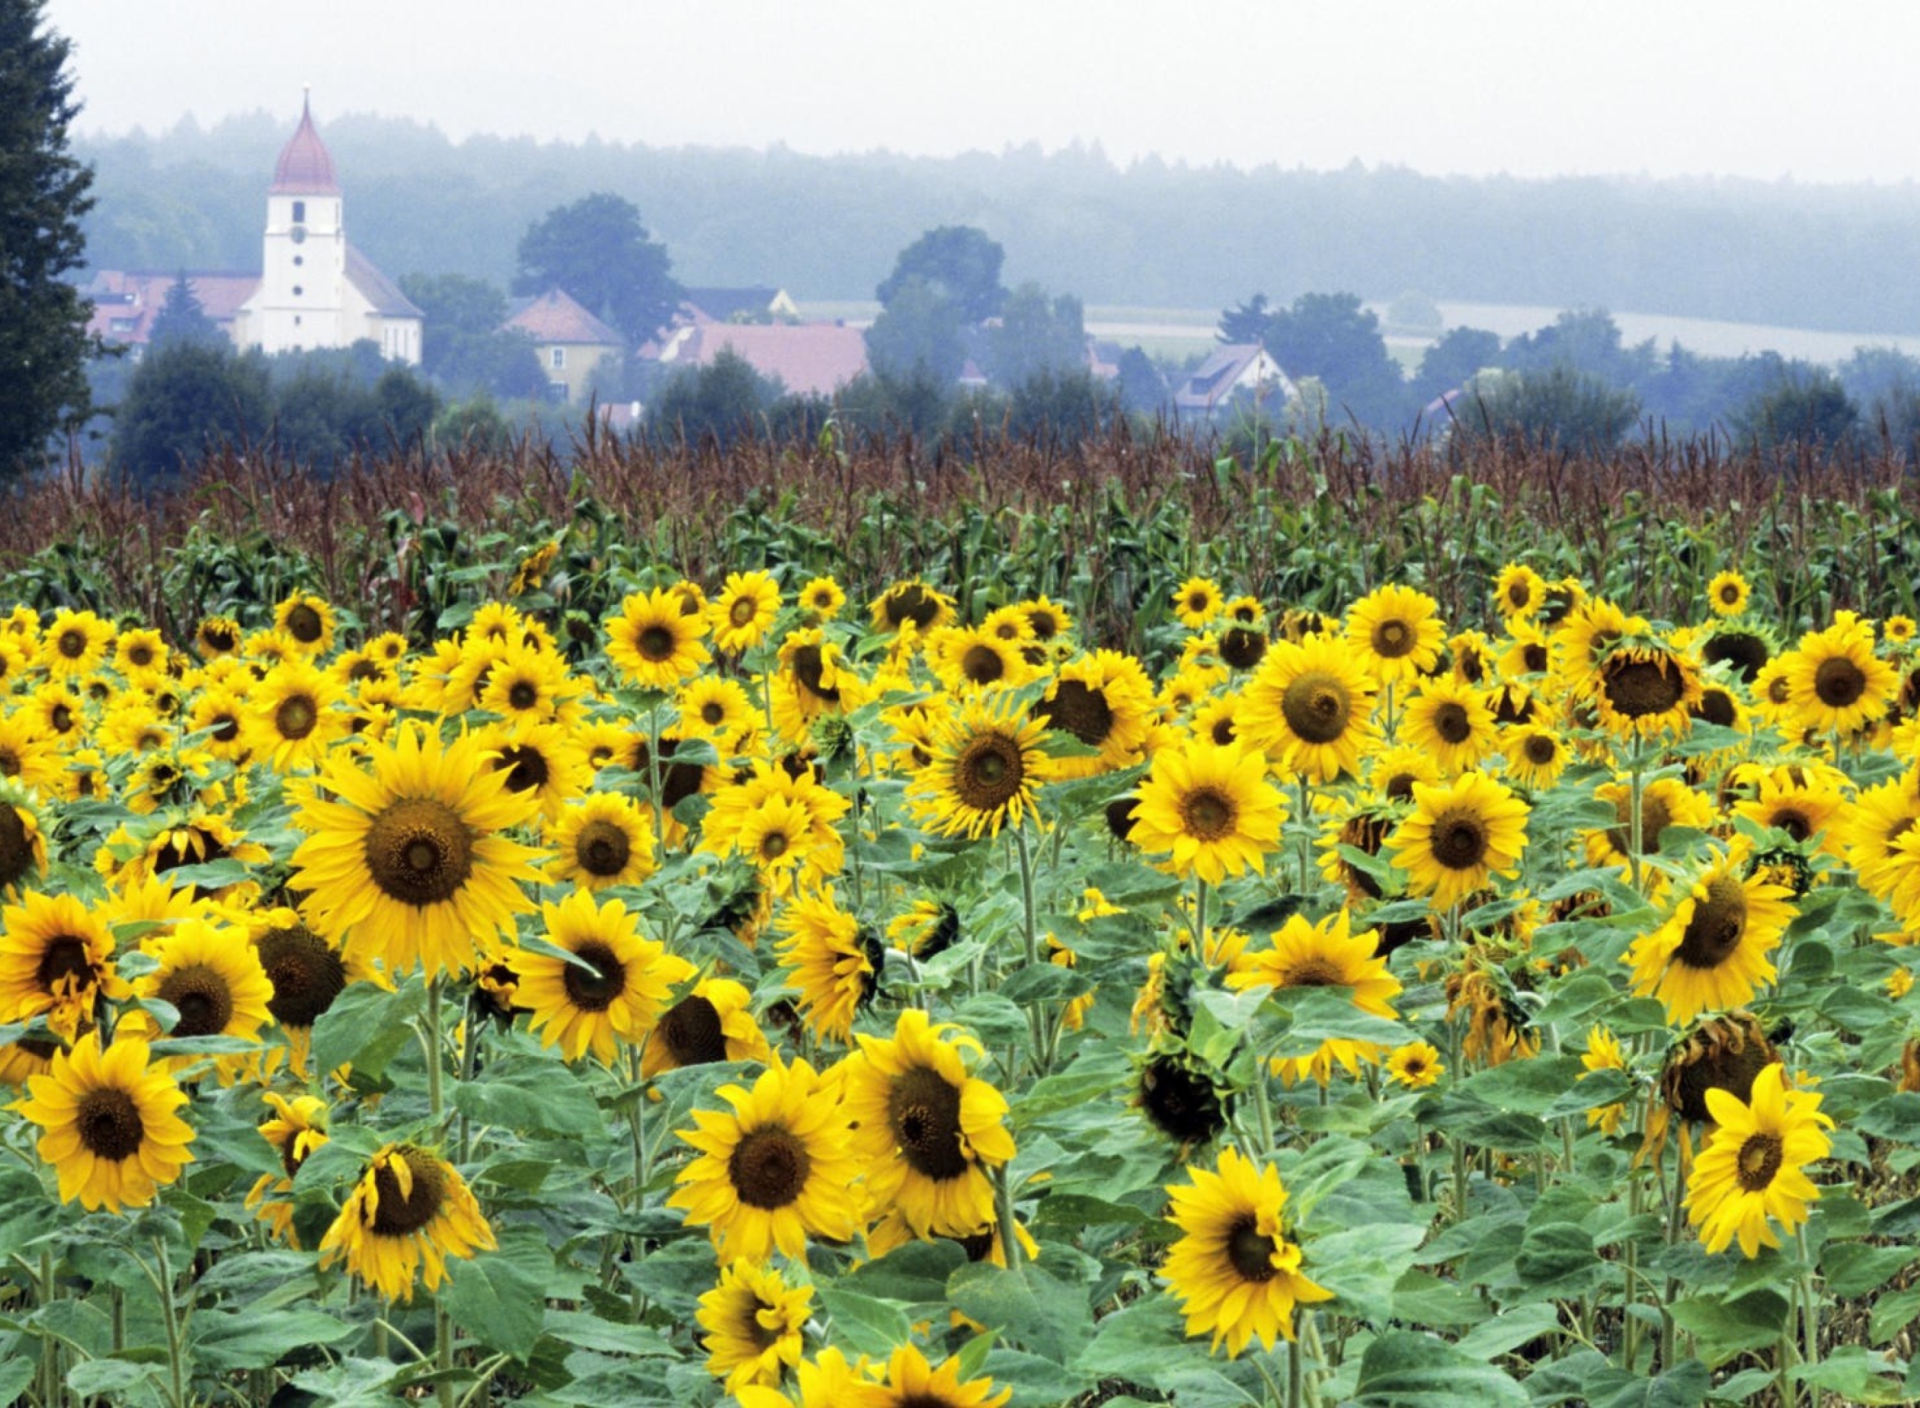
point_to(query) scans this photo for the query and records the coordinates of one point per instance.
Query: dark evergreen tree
(183, 318)
(183, 401)
(43, 194)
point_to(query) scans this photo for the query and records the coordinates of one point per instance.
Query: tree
(1811, 410)
(722, 401)
(1036, 336)
(598, 252)
(1329, 335)
(182, 318)
(1562, 408)
(1142, 388)
(959, 262)
(918, 335)
(1245, 323)
(183, 401)
(1454, 360)
(456, 309)
(1587, 340)
(43, 194)
(1061, 407)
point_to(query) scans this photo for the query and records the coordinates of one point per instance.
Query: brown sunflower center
(1794, 822)
(923, 1111)
(1519, 594)
(1242, 648)
(1198, 601)
(1045, 624)
(296, 716)
(1534, 656)
(810, 668)
(525, 766)
(911, 603)
(691, 1028)
(982, 664)
(226, 728)
(140, 656)
(1716, 707)
(768, 1167)
(1540, 749)
(16, 850)
(61, 717)
(655, 643)
(1728, 1058)
(989, 772)
(1080, 709)
(1636, 689)
(1839, 682)
(742, 611)
(366, 670)
(1250, 1250)
(1180, 1102)
(419, 851)
(403, 1213)
(1317, 707)
(712, 714)
(109, 1124)
(1398, 786)
(1393, 638)
(1759, 1159)
(602, 848)
(1459, 840)
(1222, 731)
(200, 992)
(1450, 721)
(307, 975)
(72, 643)
(9, 762)
(1713, 933)
(219, 638)
(523, 694)
(1315, 972)
(305, 625)
(594, 989)
(1207, 814)
(65, 965)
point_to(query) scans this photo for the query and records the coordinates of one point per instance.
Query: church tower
(302, 299)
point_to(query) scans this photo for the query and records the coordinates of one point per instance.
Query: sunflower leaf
(500, 1297)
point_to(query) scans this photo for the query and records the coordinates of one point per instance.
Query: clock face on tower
(299, 233)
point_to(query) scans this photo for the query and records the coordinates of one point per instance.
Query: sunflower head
(1180, 1098)
(1720, 1053)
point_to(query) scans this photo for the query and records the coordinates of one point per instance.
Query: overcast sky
(1818, 92)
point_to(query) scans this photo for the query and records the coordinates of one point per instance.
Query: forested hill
(1839, 257)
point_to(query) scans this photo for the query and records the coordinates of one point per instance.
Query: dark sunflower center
(1729, 593)
(773, 845)
(1638, 688)
(742, 611)
(109, 1125)
(61, 717)
(65, 966)
(1655, 816)
(768, 1167)
(1713, 933)
(1080, 709)
(1534, 656)
(16, 851)
(750, 1312)
(307, 975)
(226, 728)
(602, 849)
(911, 603)
(1045, 624)
(140, 656)
(1742, 649)
(1796, 824)
(218, 638)
(1839, 682)
(1540, 749)
(1459, 841)
(1222, 731)
(989, 772)
(1717, 707)
(1450, 721)
(1760, 1159)
(523, 694)
(655, 643)
(1198, 601)
(1393, 638)
(711, 714)
(692, 1031)
(594, 991)
(1398, 787)
(73, 644)
(1315, 972)
(1180, 1102)
(9, 762)
(291, 1156)
(525, 766)
(810, 668)
(1316, 707)
(923, 1111)
(1207, 814)
(1519, 594)
(305, 625)
(402, 1214)
(1242, 648)
(1250, 1250)
(296, 716)
(982, 664)
(204, 1000)
(419, 851)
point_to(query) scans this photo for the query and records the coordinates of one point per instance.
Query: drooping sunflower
(1311, 707)
(1458, 836)
(830, 961)
(813, 680)
(744, 611)
(1105, 700)
(773, 1171)
(212, 976)
(1396, 633)
(1835, 683)
(986, 764)
(409, 864)
(1727, 593)
(408, 1212)
(307, 620)
(912, 1382)
(113, 1132)
(614, 990)
(1644, 691)
(1752, 1172)
(653, 643)
(602, 841)
(1712, 951)
(1303, 954)
(927, 1132)
(1233, 1267)
(1210, 811)
(56, 956)
(298, 1127)
(753, 1321)
(1450, 721)
(712, 1023)
(292, 716)
(911, 602)
(217, 636)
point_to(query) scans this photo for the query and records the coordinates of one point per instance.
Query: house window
(557, 358)
(121, 324)
(299, 212)
(557, 391)
(296, 320)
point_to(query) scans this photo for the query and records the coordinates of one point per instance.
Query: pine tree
(183, 318)
(43, 193)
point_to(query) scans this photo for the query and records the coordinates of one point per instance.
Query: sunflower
(1233, 1266)
(967, 661)
(744, 611)
(292, 718)
(1048, 620)
(1603, 1053)
(1209, 810)
(813, 680)
(911, 1382)
(306, 620)
(213, 978)
(1752, 1171)
(601, 841)
(1105, 700)
(1641, 691)
(1196, 602)
(1664, 802)
(1727, 593)
(927, 1132)
(1458, 836)
(1310, 706)
(1711, 952)
(1451, 722)
(653, 643)
(829, 1380)
(1806, 804)
(986, 763)
(220, 712)
(1303, 954)
(822, 599)
(217, 636)
(1396, 633)
(1416, 1065)
(1518, 591)
(408, 1212)
(831, 961)
(1180, 1097)
(408, 862)
(528, 682)
(298, 1127)
(911, 603)
(716, 709)
(28, 758)
(1835, 683)
(1536, 755)
(112, 1128)
(56, 957)
(307, 974)
(613, 989)
(1869, 829)
(753, 1322)
(74, 644)
(539, 759)
(773, 1171)
(712, 1023)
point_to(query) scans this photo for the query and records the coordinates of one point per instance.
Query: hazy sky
(1819, 92)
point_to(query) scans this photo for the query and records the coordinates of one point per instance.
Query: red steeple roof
(304, 168)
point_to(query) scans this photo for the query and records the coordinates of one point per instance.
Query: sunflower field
(578, 974)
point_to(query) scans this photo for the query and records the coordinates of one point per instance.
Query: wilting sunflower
(1603, 1053)
(112, 1129)
(408, 1212)
(1180, 1097)
(830, 962)
(298, 1127)
(1752, 1172)
(712, 1023)
(1105, 700)
(1210, 811)
(653, 642)
(75, 644)
(409, 863)
(1643, 691)
(773, 1171)
(602, 841)
(744, 611)
(1711, 953)
(212, 976)
(753, 1321)
(1451, 722)
(813, 681)
(912, 1382)
(1233, 1267)
(1311, 706)
(292, 718)
(1727, 593)
(1835, 683)
(306, 620)
(1416, 1065)
(1518, 591)
(1536, 755)
(1396, 633)
(987, 762)
(56, 956)
(927, 1132)
(614, 989)
(1459, 836)
(913, 603)
(1303, 954)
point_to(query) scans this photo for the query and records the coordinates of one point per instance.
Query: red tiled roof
(305, 168)
(125, 304)
(808, 358)
(556, 317)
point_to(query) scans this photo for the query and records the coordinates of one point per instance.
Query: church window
(298, 290)
(299, 212)
(298, 260)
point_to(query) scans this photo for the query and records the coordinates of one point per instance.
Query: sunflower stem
(1200, 916)
(169, 1310)
(1305, 815)
(1030, 929)
(430, 1038)
(1636, 789)
(50, 1347)
(1810, 1318)
(1296, 1372)
(1009, 1229)
(1274, 1394)
(443, 1354)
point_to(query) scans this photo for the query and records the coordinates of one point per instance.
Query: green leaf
(1856, 1269)
(115, 1380)
(1046, 982)
(224, 1340)
(352, 1383)
(365, 1027)
(15, 1375)
(1027, 1306)
(543, 1098)
(1526, 1087)
(1402, 1369)
(914, 1274)
(1558, 1258)
(500, 1297)
(1892, 1313)
(1724, 1329)
(1362, 1265)
(1685, 1385)
(864, 1324)
(1136, 1343)
(1509, 1330)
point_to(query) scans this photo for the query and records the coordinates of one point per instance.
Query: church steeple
(305, 168)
